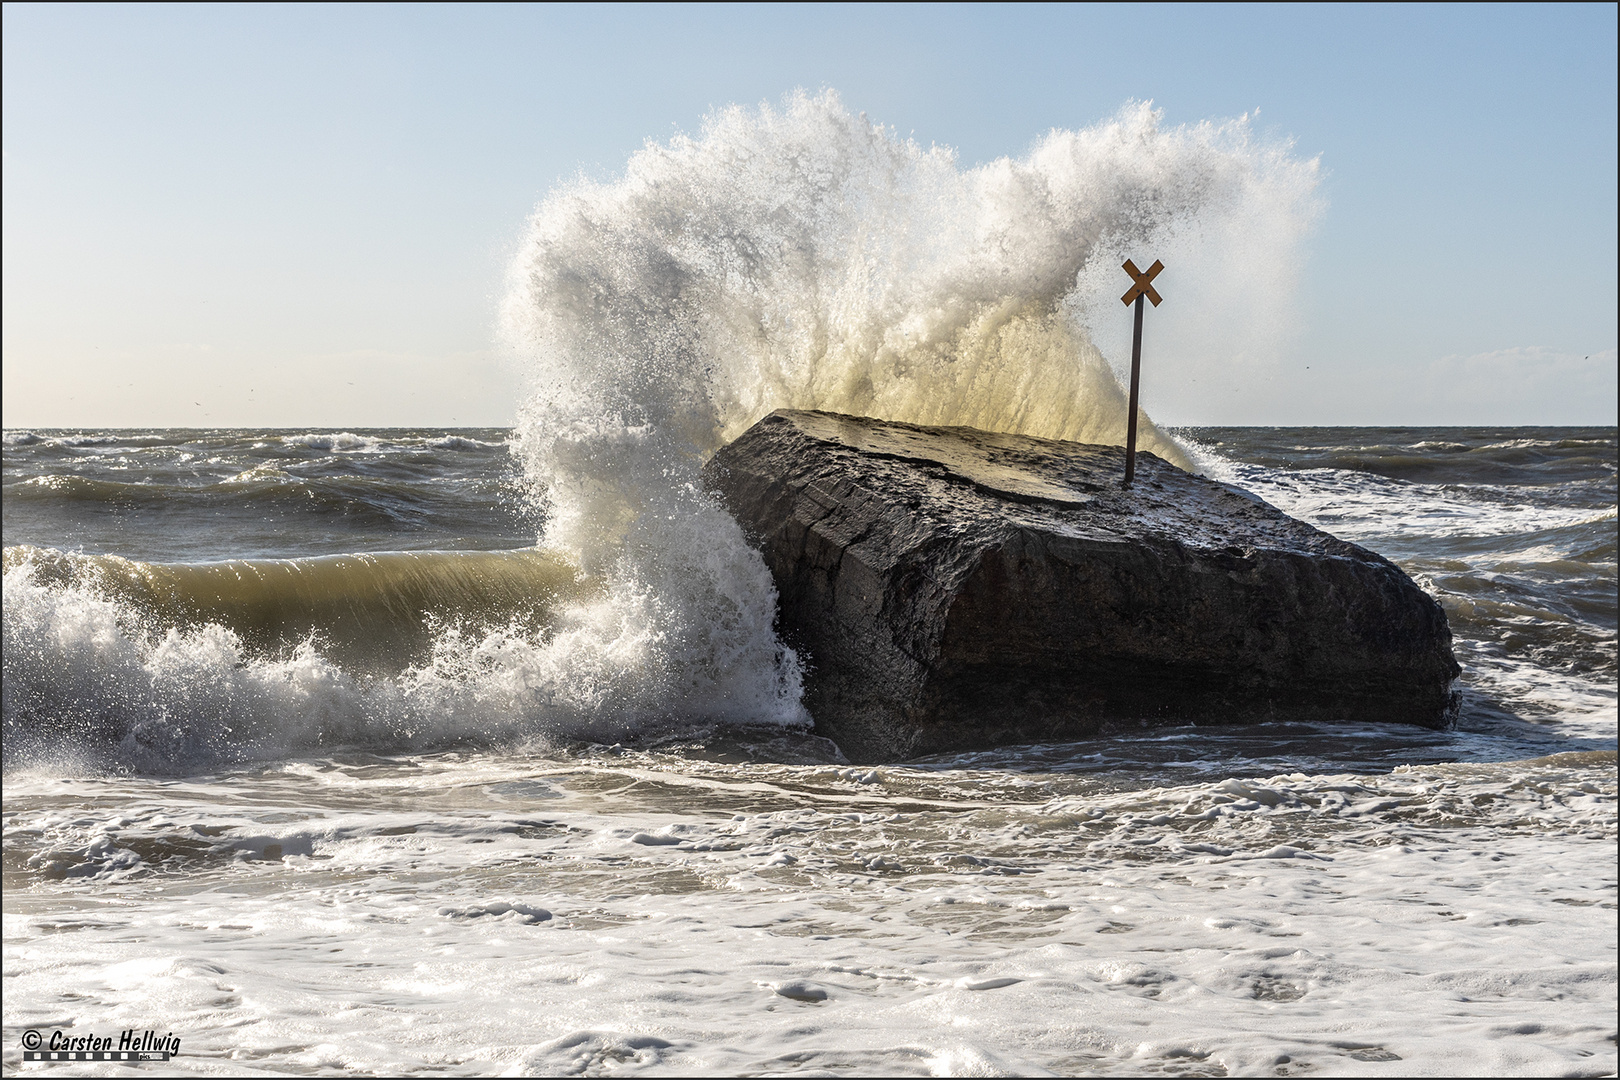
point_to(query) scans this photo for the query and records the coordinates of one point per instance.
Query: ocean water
(469, 752)
(301, 864)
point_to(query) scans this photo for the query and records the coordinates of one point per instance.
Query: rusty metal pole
(1136, 375)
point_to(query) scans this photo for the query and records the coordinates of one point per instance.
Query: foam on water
(641, 913)
(1525, 569)
(339, 441)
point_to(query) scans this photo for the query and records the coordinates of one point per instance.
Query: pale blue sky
(302, 215)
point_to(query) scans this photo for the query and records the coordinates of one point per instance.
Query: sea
(476, 752)
(296, 868)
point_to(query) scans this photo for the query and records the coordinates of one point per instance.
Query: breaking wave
(806, 258)
(792, 257)
(170, 667)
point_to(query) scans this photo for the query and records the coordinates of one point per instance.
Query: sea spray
(797, 257)
(807, 258)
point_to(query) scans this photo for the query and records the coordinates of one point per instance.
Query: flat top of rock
(1068, 487)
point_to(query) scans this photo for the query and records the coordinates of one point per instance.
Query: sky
(302, 215)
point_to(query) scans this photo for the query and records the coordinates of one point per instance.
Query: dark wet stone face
(957, 589)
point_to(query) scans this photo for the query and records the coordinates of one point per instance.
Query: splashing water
(799, 257)
(806, 258)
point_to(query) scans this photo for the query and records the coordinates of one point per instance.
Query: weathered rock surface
(956, 588)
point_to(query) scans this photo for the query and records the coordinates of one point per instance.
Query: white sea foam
(89, 440)
(1366, 508)
(343, 441)
(20, 439)
(499, 915)
(462, 442)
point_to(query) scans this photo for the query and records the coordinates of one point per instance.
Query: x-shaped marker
(1144, 283)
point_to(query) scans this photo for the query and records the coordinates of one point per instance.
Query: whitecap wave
(342, 441)
(92, 682)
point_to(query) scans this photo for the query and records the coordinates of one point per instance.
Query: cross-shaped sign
(1142, 290)
(1144, 283)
